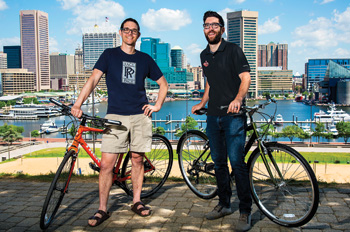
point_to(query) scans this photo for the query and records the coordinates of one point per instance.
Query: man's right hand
(196, 107)
(76, 111)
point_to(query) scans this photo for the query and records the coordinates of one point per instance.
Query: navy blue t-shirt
(125, 79)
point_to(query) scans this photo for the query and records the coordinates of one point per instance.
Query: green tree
(30, 100)
(34, 134)
(190, 124)
(158, 130)
(266, 94)
(291, 132)
(343, 129)
(10, 136)
(318, 131)
(305, 93)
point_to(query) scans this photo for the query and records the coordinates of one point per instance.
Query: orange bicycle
(157, 165)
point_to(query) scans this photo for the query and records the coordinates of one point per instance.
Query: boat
(332, 116)
(299, 98)
(306, 128)
(279, 120)
(332, 129)
(48, 127)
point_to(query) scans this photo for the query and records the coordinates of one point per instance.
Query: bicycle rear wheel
(291, 199)
(57, 190)
(161, 158)
(196, 165)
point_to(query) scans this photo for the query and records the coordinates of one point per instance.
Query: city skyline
(312, 29)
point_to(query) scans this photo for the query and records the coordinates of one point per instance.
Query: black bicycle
(283, 185)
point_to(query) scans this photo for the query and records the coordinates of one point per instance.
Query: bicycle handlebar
(66, 110)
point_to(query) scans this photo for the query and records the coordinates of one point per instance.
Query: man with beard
(228, 79)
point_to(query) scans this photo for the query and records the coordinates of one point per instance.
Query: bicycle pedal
(209, 167)
(94, 167)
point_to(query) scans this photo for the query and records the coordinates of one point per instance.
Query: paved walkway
(175, 208)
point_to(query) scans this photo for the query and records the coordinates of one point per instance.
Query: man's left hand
(234, 106)
(149, 109)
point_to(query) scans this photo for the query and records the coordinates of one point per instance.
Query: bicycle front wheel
(157, 167)
(287, 191)
(57, 190)
(196, 165)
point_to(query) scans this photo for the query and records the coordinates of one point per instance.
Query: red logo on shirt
(206, 64)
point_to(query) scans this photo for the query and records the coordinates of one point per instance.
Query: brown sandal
(139, 211)
(99, 220)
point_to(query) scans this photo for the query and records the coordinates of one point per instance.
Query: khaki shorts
(135, 133)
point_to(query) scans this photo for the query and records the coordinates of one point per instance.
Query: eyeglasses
(213, 25)
(127, 30)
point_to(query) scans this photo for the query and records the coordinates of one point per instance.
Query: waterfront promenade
(175, 208)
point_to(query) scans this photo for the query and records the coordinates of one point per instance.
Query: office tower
(78, 60)
(16, 81)
(95, 40)
(242, 29)
(198, 78)
(275, 80)
(176, 54)
(3, 60)
(160, 52)
(315, 69)
(35, 46)
(273, 55)
(61, 66)
(13, 56)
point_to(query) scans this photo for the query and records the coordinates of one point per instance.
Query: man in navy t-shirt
(125, 69)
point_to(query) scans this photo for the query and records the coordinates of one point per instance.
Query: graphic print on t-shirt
(129, 73)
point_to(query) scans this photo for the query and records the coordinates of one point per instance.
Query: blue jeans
(227, 138)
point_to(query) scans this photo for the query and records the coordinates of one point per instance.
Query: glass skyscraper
(13, 56)
(160, 52)
(35, 46)
(242, 29)
(315, 69)
(176, 57)
(95, 41)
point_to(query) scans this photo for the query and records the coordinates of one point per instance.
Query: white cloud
(341, 52)
(194, 49)
(270, 26)
(239, 1)
(10, 41)
(53, 45)
(165, 19)
(342, 20)
(94, 12)
(326, 1)
(69, 4)
(3, 5)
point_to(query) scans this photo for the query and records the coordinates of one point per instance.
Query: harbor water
(173, 112)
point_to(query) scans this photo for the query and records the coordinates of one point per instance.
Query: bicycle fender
(196, 132)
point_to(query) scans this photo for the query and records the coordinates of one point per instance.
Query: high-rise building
(61, 66)
(78, 60)
(176, 54)
(35, 46)
(273, 55)
(95, 40)
(242, 29)
(3, 60)
(13, 56)
(315, 69)
(198, 78)
(275, 80)
(160, 52)
(16, 81)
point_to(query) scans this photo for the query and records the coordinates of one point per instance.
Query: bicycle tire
(290, 202)
(57, 190)
(161, 157)
(198, 173)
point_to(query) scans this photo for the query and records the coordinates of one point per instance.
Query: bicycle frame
(78, 140)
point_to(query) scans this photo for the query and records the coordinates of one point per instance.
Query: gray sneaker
(218, 212)
(244, 222)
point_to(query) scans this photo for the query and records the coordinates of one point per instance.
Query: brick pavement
(175, 208)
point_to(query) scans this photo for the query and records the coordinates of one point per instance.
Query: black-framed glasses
(213, 25)
(126, 30)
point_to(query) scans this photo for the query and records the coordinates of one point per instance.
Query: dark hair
(132, 20)
(213, 14)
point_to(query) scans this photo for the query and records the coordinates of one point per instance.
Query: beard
(215, 40)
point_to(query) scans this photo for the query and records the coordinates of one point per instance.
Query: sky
(311, 28)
